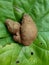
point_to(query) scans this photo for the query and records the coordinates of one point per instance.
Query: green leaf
(6, 11)
(37, 53)
(6, 40)
(8, 54)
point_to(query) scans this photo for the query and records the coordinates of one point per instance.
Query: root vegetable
(28, 30)
(12, 26)
(24, 33)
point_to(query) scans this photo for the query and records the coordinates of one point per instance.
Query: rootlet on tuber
(24, 33)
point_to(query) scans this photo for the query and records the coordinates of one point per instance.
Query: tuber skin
(17, 37)
(14, 28)
(28, 30)
(24, 33)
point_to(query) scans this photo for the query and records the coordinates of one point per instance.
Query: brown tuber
(14, 28)
(25, 32)
(28, 30)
